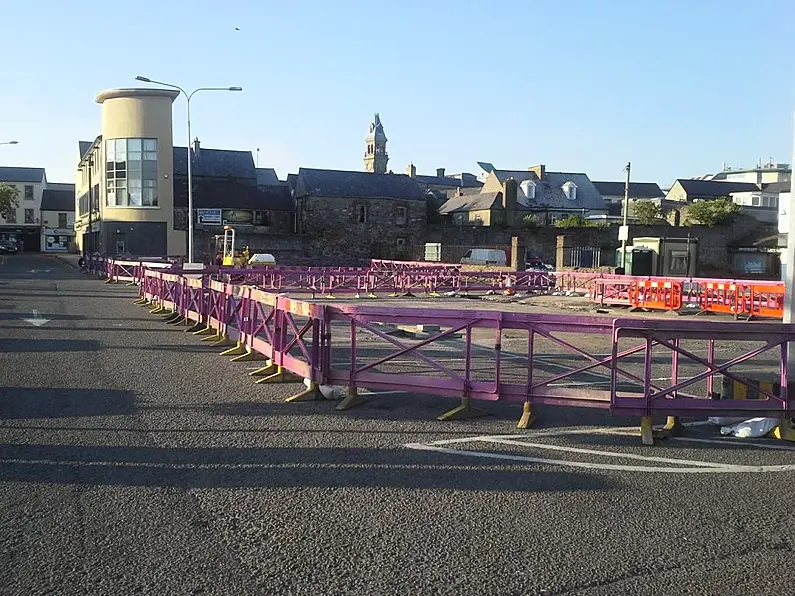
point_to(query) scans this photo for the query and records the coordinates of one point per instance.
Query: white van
(484, 256)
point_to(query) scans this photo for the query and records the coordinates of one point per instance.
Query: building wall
(34, 203)
(54, 236)
(333, 230)
(140, 113)
(677, 193)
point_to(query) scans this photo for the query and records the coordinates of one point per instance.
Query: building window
(401, 216)
(28, 192)
(401, 244)
(29, 216)
(131, 172)
(570, 190)
(262, 218)
(755, 201)
(11, 216)
(62, 220)
(361, 214)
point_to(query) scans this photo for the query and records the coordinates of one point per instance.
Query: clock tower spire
(375, 155)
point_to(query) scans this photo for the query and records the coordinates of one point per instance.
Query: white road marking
(37, 319)
(677, 466)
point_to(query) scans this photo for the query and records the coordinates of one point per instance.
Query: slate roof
(348, 184)
(57, 200)
(232, 193)
(637, 190)
(778, 187)
(292, 180)
(549, 191)
(486, 166)
(14, 174)
(220, 163)
(448, 181)
(83, 147)
(714, 188)
(472, 202)
(267, 177)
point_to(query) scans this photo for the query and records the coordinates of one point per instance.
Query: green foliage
(573, 221)
(712, 213)
(531, 222)
(9, 199)
(647, 212)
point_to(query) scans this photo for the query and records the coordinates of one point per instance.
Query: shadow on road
(27, 402)
(277, 467)
(48, 345)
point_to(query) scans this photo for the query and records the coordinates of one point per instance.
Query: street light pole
(188, 97)
(10, 143)
(625, 219)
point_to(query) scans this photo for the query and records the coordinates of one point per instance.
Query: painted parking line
(673, 465)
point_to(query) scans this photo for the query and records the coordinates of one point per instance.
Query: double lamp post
(188, 96)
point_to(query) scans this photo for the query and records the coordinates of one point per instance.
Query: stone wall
(332, 229)
(714, 255)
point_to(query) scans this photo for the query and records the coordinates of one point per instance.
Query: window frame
(64, 219)
(361, 214)
(132, 181)
(32, 212)
(25, 189)
(401, 220)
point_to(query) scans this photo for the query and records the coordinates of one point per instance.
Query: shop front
(58, 239)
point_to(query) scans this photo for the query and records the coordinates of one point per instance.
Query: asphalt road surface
(136, 460)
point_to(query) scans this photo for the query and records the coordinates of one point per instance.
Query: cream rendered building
(126, 175)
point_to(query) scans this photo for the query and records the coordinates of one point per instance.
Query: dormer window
(570, 190)
(529, 189)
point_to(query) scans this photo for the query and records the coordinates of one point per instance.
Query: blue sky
(676, 87)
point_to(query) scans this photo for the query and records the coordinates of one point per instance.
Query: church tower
(375, 155)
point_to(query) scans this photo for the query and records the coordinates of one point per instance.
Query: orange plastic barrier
(764, 300)
(656, 295)
(722, 298)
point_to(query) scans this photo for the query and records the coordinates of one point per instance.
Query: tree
(712, 213)
(531, 221)
(573, 221)
(9, 199)
(647, 212)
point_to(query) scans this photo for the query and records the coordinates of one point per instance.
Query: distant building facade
(375, 155)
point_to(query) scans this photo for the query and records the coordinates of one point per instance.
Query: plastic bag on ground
(725, 420)
(751, 429)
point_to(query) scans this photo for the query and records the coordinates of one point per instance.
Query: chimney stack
(196, 146)
(411, 170)
(539, 170)
(509, 196)
(440, 172)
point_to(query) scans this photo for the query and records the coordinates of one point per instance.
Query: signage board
(208, 216)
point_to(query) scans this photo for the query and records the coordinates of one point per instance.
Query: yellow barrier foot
(248, 356)
(214, 337)
(331, 296)
(528, 417)
(109, 281)
(268, 369)
(672, 428)
(156, 310)
(195, 328)
(646, 430)
(464, 411)
(178, 321)
(280, 376)
(357, 296)
(146, 304)
(238, 350)
(783, 431)
(311, 393)
(168, 317)
(354, 398)
(205, 330)
(394, 295)
(140, 301)
(372, 296)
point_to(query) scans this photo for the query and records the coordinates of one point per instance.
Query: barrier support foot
(280, 376)
(205, 330)
(646, 430)
(784, 431)
(109, 281)
(672, 428)
(237, 350)
(157, 310)
(463, 412)
(528, 417)
(248, 356)
(216, 336)
(311, 393)
(269, 369)
(196, 327)
(140, 301)
(222, 341)
(354, 398)
(172, 316)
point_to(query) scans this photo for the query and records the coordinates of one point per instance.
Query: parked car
(484, 256)
(7, 247)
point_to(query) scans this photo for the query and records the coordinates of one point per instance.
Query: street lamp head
(144, 79)
(236, 88)
(13, 142)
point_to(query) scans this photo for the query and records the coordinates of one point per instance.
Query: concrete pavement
(135, 460)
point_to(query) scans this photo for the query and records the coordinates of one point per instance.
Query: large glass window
(131, 172)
